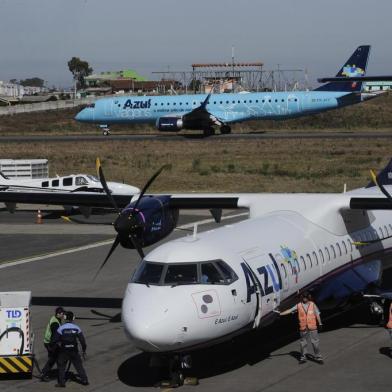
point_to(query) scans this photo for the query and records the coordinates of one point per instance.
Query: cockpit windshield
(173, 274)
(92, 178)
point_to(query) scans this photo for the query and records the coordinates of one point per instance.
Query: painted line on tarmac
(12, 263)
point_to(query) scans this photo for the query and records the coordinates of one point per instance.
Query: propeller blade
(105, 185)
(137, 246)
(114, 246)
(149, 182)
(383, 190)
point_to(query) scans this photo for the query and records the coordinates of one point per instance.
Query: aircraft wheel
(209, 132)
(225, 129)
(106, 132)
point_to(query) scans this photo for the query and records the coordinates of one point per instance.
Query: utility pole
(232, 68)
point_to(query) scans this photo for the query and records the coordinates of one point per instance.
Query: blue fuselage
(227, 108)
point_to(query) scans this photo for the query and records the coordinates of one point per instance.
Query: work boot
(319, 360)
(302, 360)
(44, 378)
(85, 382)
(60, 385)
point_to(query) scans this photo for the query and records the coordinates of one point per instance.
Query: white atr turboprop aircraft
(206, 288)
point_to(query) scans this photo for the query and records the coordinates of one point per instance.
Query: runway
(253, 135)
(354, 350)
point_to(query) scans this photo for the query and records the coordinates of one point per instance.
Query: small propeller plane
(205, 288)
(207, 112)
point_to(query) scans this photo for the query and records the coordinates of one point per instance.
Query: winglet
(205, 102)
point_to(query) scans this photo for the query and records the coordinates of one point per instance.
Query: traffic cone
(39, 217)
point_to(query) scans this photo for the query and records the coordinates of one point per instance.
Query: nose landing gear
(105, 130)
(225, 129)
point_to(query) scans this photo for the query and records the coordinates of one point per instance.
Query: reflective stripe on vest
(307, 319)
(48, 330)
(389, 325)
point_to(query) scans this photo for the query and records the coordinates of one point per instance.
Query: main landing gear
(105, 130)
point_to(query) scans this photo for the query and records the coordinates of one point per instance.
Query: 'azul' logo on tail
(351, 71)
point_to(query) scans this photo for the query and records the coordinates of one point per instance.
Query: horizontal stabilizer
(343, 79)
(370, 203)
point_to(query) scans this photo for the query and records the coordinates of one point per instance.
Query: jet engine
(169, 124)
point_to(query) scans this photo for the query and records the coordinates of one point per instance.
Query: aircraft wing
(178, 201)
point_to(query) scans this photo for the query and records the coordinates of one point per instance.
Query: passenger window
(303, 262)
(284, 269)
(333, 251)
(321, 256)
(210, 275)
(228, 274)
(45, 184)
(315, 257)
(250, 101)
(328, 255)
(181, 274)
(344, 246)
(55, 183)
(309, 260)
(67, 181)
(339, 250)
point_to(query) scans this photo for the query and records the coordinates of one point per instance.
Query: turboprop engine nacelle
(169, 124)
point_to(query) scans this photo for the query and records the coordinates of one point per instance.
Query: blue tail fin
(384, 177)
(354, 66)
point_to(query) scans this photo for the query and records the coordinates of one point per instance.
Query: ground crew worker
(388, 326)
(67, 337)
(50, 331)
(308, 319)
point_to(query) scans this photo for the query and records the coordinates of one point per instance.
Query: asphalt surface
(196, 136)
(354, 350)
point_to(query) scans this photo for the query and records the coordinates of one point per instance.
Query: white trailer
(16, 335)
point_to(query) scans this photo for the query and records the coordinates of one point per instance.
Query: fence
(42, 106)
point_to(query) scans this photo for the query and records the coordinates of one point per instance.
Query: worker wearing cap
(308, 320)
(67, 337)
(54, 323)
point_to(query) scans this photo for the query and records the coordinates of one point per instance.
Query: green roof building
(102, 78)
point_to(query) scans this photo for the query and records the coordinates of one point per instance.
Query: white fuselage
(274, 254)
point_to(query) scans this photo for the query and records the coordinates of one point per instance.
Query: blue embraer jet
(204, 112)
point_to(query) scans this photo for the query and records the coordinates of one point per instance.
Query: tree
(79, 69)
(32, 82)
(14, 81)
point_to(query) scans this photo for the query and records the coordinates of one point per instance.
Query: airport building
(24, 168)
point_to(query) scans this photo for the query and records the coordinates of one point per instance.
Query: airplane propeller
(127, 223)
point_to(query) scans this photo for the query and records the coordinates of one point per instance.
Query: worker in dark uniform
(67, 337)
(50, 332)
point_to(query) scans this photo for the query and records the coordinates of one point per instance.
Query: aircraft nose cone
(152, 324)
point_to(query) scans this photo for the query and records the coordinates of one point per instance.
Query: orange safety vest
(389, 325)
(307, 319)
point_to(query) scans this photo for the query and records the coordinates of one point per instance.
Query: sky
(38, 37)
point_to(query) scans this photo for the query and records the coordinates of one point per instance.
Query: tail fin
(384, 177)
(354, 66)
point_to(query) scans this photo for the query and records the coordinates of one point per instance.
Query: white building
(24, 168)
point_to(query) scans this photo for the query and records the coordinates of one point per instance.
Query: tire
(106, 132)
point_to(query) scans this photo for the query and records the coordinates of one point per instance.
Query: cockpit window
(148, 273)
(228, 274)
(181, 274)
(81, 181)
(209, 274)
(204, 272)
(92, 178)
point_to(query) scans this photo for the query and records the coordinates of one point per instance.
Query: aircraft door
(293, 104)
(268, 284)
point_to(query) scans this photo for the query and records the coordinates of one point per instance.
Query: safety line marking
(13, 263)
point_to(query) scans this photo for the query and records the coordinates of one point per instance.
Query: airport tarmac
(354, 350)
(199, 136)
